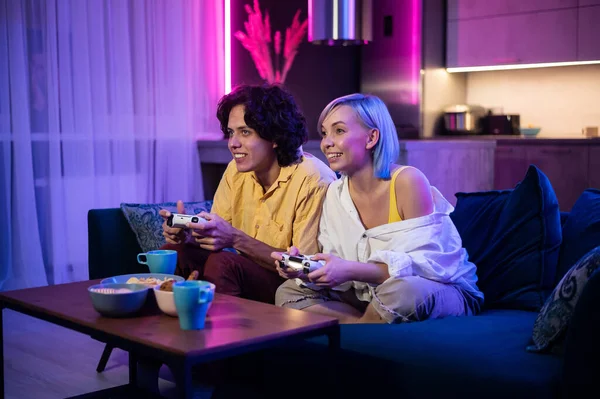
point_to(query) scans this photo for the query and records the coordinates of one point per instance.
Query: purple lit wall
(227, 39)
(391, 64)
(319, 73)
(415, 52)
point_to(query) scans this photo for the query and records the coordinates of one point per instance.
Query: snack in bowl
(166, 300)
(148, 279)
(168, 285)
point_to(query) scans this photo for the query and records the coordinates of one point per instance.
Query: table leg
(147, 373)
(334, 357)
(132, 369)
(183, 377)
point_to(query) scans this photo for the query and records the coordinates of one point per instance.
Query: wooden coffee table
(234, 326)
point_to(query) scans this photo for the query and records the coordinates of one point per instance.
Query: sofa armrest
(112, 245)
(581, 365)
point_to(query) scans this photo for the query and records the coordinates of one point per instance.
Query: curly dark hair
(273, 113)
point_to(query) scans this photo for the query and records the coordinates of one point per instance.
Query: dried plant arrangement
(257, 40)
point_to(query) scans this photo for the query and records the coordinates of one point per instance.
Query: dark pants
(232, 274)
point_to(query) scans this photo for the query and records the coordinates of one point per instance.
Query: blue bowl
(122, 279)
(118, 300)
(530, 131)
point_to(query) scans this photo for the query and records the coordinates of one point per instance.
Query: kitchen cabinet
(544, 36)
(588, 37)
(452, 165)
(510, 166)
(594, 167)
(467, 9)
(583, 3)
(568, 166)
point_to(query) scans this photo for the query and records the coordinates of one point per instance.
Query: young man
(269, 198)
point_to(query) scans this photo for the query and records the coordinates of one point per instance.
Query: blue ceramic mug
(159, 261)
(192, 300)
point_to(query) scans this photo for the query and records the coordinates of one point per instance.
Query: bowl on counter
(118, 300)
(530, 131)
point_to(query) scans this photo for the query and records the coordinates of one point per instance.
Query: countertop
(520, 139)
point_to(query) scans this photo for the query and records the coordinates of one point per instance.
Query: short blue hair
(372, 113)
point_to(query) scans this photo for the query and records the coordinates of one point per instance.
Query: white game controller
(179, 220)
(303, 263)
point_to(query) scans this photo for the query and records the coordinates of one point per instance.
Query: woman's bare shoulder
(409, 175)
(413, 193)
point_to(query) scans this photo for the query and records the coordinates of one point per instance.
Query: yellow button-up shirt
(287, 214)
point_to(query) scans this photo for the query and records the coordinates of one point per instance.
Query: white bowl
(166, 300)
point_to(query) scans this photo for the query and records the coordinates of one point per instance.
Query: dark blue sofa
(481, 356)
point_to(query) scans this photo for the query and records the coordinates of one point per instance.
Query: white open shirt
(428, 246)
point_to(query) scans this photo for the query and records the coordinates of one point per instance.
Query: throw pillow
(581, 231)
(513, 237)
(553, 320)
(146, 223)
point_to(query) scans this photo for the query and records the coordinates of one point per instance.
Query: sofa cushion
(581, 367)
(481, 356)
(146, 223)
(513, 237)
(554, 318)
(112, 245)
(581, 231)
(454, 357)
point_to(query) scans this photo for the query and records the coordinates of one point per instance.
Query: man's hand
(288, 272)
(213, 235)
(172, 235)
(336, 271)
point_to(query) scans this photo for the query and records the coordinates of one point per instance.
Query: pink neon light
(227, 39)
(310, 21)
(415, 53)
(352, 24)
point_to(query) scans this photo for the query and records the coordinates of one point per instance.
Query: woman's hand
(287, 272)
(213, 235)
(336, 271)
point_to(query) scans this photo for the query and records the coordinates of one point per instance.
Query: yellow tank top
(393, 215)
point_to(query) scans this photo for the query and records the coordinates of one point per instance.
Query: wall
(561, 100)
(319, 73)
(391, 64)
(439, 88)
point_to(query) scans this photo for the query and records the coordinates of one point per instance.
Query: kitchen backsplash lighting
(562, 101)
(519, 66)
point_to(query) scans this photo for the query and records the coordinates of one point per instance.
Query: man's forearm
(375, 273)
(256, 250)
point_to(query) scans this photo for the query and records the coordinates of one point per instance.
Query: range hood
(340, 22)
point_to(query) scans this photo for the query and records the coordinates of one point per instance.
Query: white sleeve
(325, 244)
(399, 263)
(432, 251)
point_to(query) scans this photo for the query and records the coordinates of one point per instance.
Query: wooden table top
(232, 323)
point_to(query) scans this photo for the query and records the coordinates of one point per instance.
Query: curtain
(101, 102)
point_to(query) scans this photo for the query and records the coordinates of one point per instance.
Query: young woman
(391, 251)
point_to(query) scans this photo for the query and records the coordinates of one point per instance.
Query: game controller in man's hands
(178, 220)
(303, 263)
